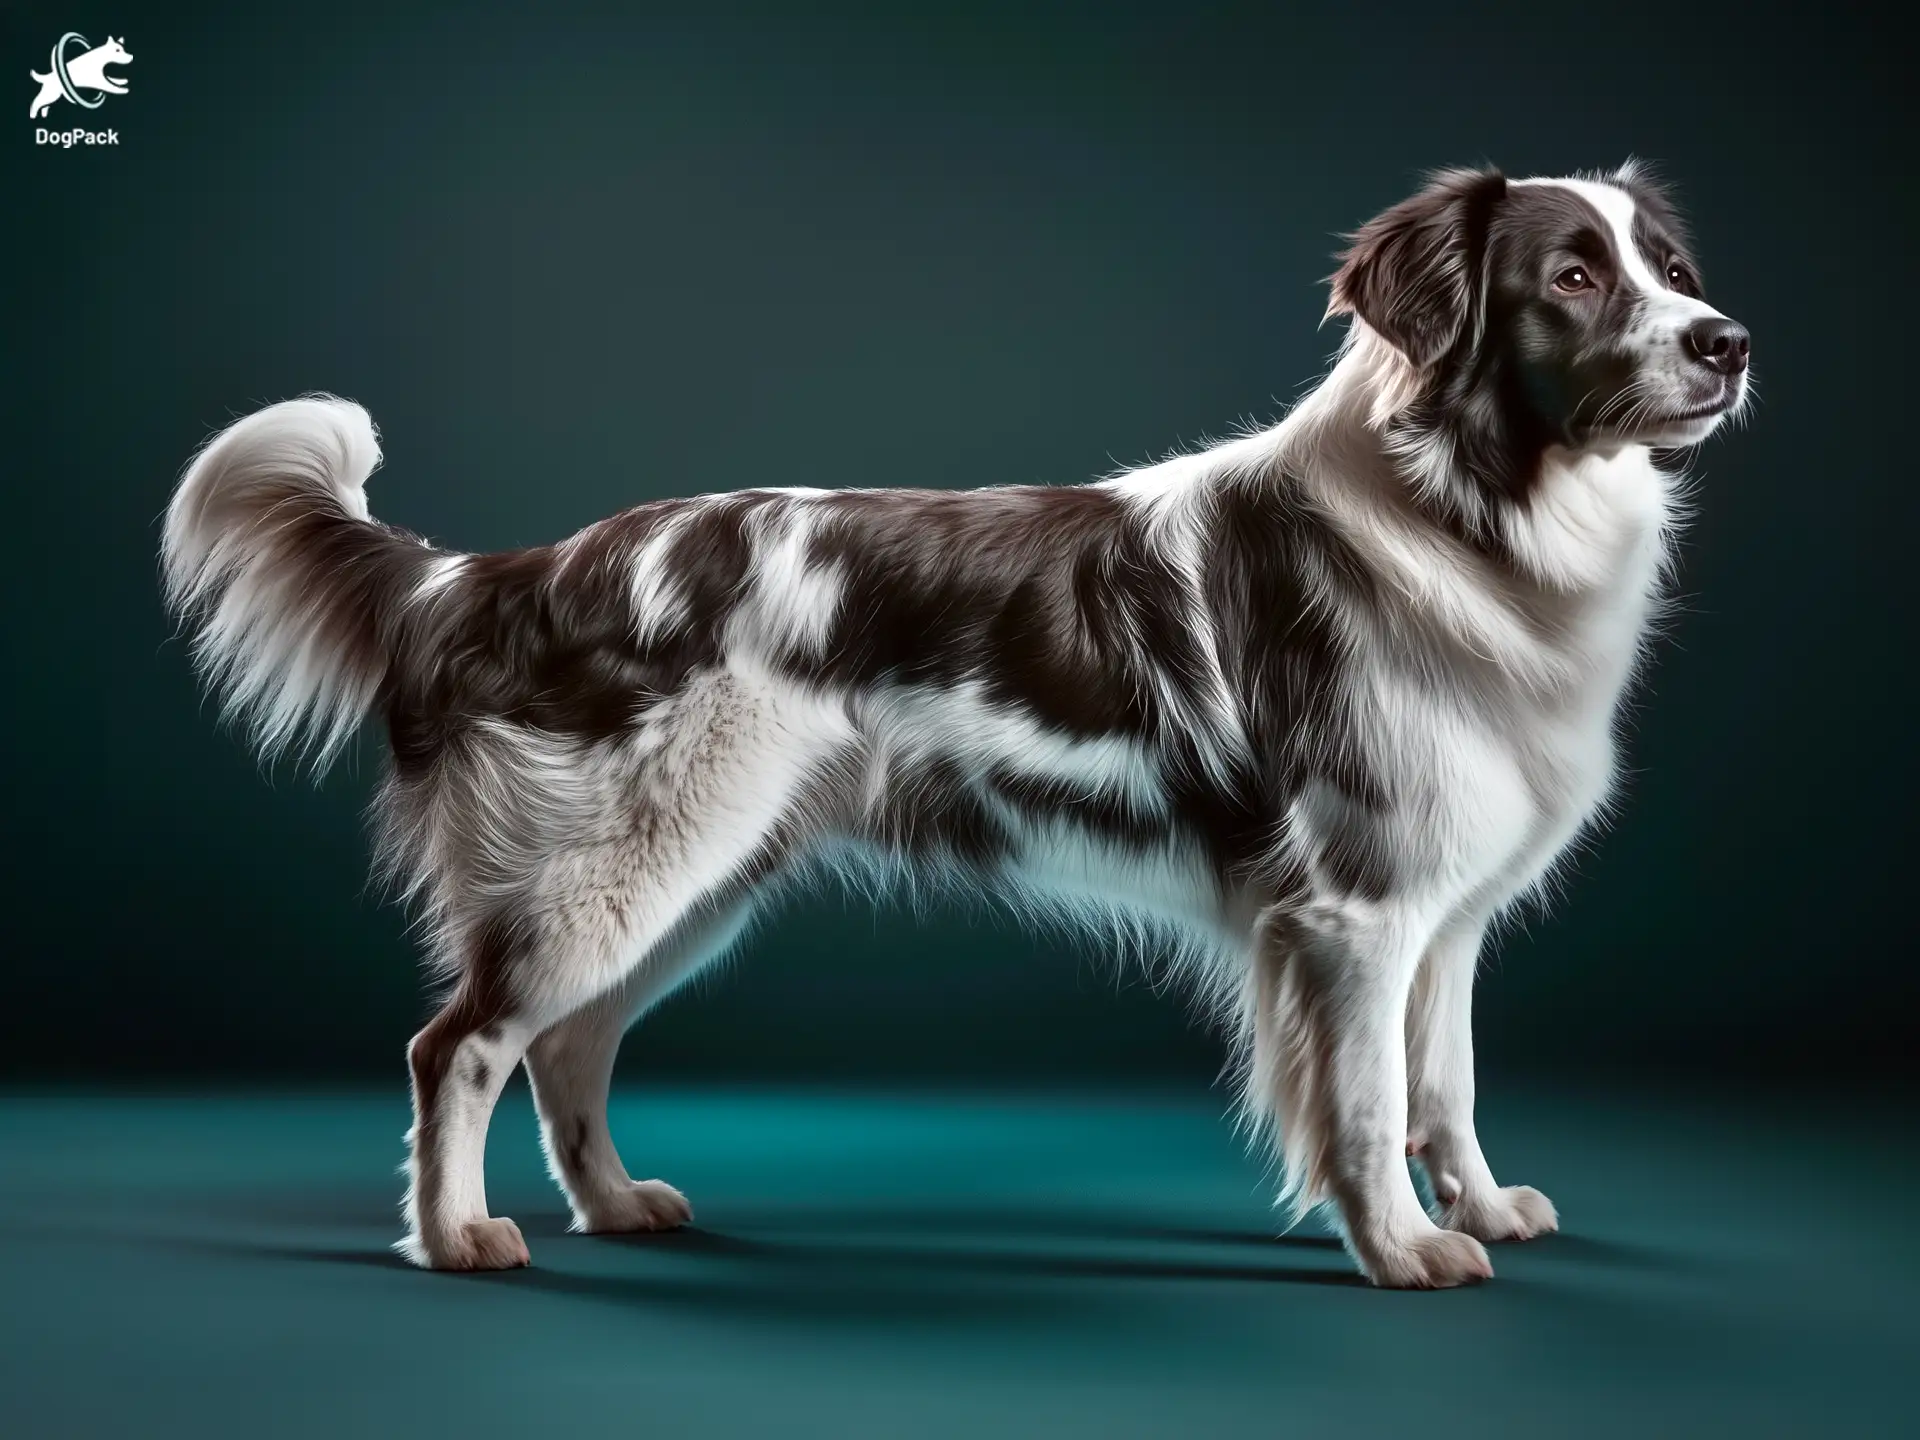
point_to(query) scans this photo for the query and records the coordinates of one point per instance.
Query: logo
(75, 68)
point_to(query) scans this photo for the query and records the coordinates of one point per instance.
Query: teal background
(575, 256)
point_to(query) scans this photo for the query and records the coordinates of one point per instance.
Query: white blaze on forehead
(1616, 208)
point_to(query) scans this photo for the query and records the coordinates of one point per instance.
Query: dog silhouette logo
(70, 74)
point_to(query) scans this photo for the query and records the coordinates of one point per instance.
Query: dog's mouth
(1680, 419)
(1631, 427)
(1689, 417)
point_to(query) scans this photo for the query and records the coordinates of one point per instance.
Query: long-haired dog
(1314, 706)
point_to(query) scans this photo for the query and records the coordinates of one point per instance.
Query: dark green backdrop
(577, 256)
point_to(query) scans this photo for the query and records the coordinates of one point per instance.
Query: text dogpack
(67, 139)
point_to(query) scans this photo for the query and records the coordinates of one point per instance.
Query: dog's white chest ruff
(1513, 760)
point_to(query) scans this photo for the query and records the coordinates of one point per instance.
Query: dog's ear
(1416, 274)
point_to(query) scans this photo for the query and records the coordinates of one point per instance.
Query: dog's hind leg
(596, 854)
(525, 986)
(459, 1063)
(571, 1066)
(524, 972)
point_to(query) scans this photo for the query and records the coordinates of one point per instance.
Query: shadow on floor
(767, 1232)
(947, 1265)
(852, 1284)
(839, 1262)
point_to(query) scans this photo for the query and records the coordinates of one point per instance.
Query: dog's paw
(643, 1205)
(1436, 1260)
(1515, 1212)
(478, 1245)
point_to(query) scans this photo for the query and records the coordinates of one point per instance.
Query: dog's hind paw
(643, 1205)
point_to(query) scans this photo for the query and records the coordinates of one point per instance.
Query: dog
(1314, 707)
(87, 71)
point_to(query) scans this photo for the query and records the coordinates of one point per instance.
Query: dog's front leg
(1440, 1096)
(1331, 1004)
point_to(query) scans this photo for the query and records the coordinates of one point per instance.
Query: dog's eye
(1573, 280)
(1677, 276)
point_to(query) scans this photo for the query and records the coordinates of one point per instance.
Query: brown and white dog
(1313, 707)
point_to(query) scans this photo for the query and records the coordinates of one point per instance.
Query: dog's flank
(1297, 716)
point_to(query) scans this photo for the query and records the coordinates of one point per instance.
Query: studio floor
(932, 1265)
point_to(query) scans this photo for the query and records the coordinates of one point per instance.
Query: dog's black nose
(1719, 344)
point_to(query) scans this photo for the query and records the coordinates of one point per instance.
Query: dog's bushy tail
(292, 590)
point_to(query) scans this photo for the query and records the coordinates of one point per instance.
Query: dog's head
(1572, 307)
(113, 52)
